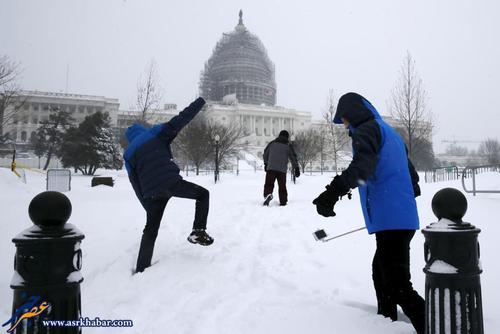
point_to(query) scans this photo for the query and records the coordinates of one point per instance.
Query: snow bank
(265, 272)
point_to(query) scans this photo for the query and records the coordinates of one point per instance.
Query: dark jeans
(391, 277)
(271, 176)
(154, 210)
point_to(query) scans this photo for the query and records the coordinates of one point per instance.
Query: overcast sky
(315, 45)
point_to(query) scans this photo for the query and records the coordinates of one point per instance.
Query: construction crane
(455, 141)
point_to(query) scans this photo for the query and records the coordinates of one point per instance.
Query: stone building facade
(36, 106)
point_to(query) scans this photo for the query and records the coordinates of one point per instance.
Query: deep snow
(265, 273)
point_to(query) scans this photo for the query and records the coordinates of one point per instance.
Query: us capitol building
(238, 81)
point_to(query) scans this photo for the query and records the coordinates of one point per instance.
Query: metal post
(474, 182)
(292, 139)
(453, 300)
(47, 265)
(216, 173)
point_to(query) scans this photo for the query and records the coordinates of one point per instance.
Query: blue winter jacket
(148, 157)
(380, 168)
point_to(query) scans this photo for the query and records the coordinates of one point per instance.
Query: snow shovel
(321, 234)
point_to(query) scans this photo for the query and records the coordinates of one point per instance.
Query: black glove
(327, 199)
(339, 186)
(296, 172)
(325, 202)
(265, 167)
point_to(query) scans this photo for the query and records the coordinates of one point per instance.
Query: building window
(24, 136)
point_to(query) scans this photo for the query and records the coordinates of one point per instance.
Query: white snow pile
(441, 267)
(444, 225)
(265, 273)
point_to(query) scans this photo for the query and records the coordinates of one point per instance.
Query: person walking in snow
(155, 178)
(276, 156)
(387, 184)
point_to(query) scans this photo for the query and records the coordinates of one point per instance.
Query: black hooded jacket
(366, 140)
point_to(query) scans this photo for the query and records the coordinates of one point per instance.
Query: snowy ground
(264, 274)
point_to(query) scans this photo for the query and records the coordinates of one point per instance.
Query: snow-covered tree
(49, 135)
(91, 145)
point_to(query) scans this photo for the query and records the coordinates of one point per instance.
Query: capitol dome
(239, 65)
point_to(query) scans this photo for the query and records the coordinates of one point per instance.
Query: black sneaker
(200, 237)
(268, 199)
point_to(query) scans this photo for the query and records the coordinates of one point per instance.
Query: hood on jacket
(356, 109)
(134, 131)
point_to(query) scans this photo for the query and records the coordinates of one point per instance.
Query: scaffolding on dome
(239, 65)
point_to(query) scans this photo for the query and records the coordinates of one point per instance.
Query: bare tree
(308, 147)
(230, 140)
(454, 149)
(408, 106)
(337, 136)
(148, 94)
(10, 101)
(490, 149)
(194, 142)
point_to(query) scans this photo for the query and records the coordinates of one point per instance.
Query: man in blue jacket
(155, 178)
(387, 184)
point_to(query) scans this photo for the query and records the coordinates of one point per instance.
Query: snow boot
(200, 237)
(268, 199)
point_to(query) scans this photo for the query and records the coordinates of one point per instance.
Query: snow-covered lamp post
(216, 174)
(47, 265)
(452, 285)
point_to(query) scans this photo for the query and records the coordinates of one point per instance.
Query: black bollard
(47, 267)
(452, 285)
